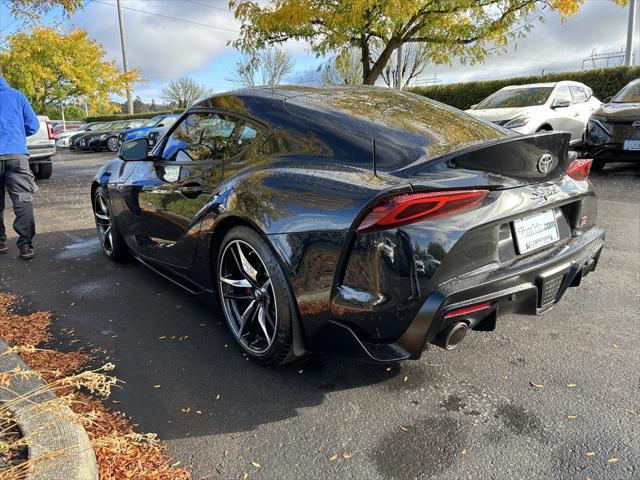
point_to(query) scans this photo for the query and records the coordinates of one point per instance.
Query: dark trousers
(17, 179)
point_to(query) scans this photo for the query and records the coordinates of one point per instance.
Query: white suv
(536, 107)
(42, 147)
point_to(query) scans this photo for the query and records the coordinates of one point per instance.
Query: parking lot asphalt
(553, 397)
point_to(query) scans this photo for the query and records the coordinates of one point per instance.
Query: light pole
(631, 33)
(125, 63)
(399, 67)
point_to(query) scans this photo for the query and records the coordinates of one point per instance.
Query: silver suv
(42, 146)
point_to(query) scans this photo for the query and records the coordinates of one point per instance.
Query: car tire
(112, 144)
(111, 240)
(598, 165)
(44, 170)
(248, 274)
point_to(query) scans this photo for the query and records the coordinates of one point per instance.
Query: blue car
(157, 124)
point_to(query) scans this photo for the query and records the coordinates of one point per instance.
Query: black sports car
(363, 221)
(613, 130)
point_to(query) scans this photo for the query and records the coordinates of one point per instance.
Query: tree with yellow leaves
(464, 29)
(53, 67)
(35, 8)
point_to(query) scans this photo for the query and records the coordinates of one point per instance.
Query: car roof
(568, 83)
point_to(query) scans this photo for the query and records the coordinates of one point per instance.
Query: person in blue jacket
(17, 122)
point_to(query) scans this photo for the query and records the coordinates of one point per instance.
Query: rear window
(444, 128)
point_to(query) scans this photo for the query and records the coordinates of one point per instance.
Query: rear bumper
(612, 152)
(513, 288)
(36, 153)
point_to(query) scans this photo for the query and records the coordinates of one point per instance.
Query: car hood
(70, 133)
(138, 131)
(501, 114)
(619, 111)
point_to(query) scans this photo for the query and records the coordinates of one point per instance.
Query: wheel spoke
(263, 325)
(241, 283)
(246, 267)
(231, 296)
(102, 216)
(245, 317)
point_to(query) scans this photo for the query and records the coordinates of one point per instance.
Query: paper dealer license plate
(536, 231)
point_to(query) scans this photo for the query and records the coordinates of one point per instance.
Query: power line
(184, 20)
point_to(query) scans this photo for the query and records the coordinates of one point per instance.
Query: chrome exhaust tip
(452, 336)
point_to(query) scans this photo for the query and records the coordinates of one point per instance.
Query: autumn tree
(267, 67)
(53, 67)
(414, 60)
(184, 92)
(35, 8)
(343, 69)
(464, 29)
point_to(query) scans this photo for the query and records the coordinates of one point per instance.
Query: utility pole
(125, 63)
(399, 66)
(631, 33)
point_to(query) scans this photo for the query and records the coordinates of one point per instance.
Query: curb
(58, 446)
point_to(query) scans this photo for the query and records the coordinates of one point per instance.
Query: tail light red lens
(414, 207)
(50, 131)
(468, 310)
(579, 168)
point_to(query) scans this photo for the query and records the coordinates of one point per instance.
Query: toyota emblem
(545, 162)
(636, 124)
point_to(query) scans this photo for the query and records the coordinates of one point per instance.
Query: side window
(563, 95)
(208, 136)
(579, 95)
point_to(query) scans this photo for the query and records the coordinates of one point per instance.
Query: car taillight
(468, 310)
(414, 207)
(50, 130)
(579, 169)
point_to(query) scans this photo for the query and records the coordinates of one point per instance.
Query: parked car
(63, 140)
(41, 148)
(157, 123)
(564, 106)
(106, 139)
(361, 220)
(613, 131)
(60, 127)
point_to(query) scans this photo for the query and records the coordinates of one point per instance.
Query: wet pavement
(470, 413)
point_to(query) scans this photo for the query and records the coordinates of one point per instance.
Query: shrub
(604, 82)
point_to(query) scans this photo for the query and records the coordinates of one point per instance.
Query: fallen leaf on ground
(185, 410)
(535, 385)
(572, 417)
(404, 429)
(245, 476)
(218, 397)
(590, 454)
(571, 385)
(405, 378)
(464, 451)
(255, 464)
(333, 458)
(157, 386)
(613, 460)
(346, 456)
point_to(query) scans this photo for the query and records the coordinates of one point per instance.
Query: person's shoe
(3, 248)
(26, 252)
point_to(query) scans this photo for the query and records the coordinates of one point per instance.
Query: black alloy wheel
(110, 240)
(255, 296)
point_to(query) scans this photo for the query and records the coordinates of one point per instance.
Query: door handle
(190, 190)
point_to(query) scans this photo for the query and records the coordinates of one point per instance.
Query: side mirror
(134, 150)
(560, 104)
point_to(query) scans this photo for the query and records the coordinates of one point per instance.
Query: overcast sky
(171, 38)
